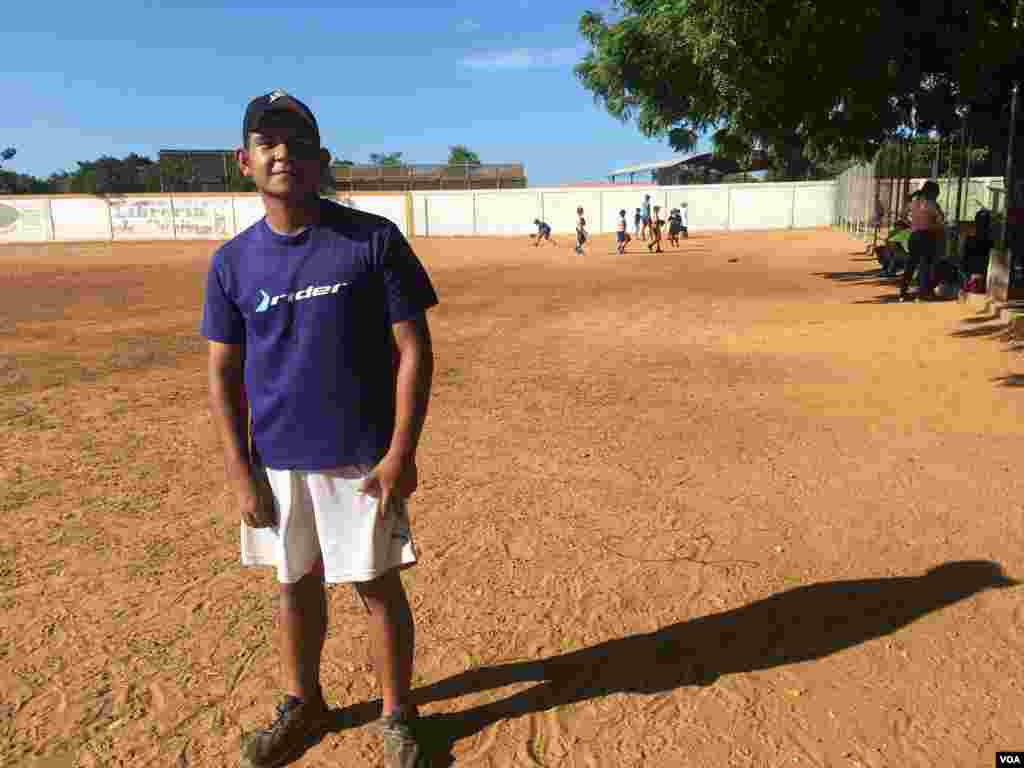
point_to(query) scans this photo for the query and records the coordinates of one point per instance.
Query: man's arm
(230, 416)
(395, 477)
(412, 385)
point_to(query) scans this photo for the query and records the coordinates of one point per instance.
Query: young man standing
(316, 316)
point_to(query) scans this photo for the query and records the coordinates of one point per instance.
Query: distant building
(424, 177)
(701, 168)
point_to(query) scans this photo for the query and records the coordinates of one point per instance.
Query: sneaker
(296, 724)
(401, 750)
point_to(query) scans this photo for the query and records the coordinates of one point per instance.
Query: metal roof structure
(642, 167)
(706, 162)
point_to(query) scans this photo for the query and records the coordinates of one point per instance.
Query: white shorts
(321, 513)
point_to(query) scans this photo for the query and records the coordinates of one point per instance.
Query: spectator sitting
(977, 247)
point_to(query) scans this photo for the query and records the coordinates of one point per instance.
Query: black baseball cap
(275, 101)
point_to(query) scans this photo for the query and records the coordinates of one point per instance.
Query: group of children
(544, 232)
(644, 224)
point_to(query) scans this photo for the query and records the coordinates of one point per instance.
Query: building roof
(707, 160)
(649, 166)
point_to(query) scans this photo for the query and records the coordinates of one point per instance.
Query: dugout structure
(425, 177)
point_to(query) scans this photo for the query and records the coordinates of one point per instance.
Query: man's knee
(383, 590)
(312, 581)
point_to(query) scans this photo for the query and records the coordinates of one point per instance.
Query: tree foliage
(806, 81)
(460, 154)
(110, 175)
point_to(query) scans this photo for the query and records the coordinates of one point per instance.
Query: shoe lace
(282, 715)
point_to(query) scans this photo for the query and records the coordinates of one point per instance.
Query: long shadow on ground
(1000, 330)
(862, 277)
(882, 298)
(797, 625)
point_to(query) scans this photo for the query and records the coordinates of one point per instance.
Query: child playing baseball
(622, 236)
(581, 231)
(656, 224)
(675, 226)
(543, 233)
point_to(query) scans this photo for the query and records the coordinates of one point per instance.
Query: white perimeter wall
(153, 217)
(482, 212)
(711, 207)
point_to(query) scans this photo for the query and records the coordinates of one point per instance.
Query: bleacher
(422, 177)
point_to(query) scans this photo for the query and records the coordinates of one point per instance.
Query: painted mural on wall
(142, 218)
(24, 220)
(206, 218)
(163, 218)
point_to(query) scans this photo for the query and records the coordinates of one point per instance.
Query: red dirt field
(723, 506)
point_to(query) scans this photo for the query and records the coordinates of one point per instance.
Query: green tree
(460, 154)
(805, 82)
(110, 175)
(386, 158)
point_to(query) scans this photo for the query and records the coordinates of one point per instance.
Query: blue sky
(119, 77)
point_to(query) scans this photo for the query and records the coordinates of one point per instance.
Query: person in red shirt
(926, 224)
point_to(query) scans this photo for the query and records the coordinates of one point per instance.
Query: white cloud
(523, 58)
(468, 25)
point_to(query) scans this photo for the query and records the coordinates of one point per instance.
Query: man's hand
(256, 501)
(392, 480)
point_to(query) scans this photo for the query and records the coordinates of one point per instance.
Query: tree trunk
(793, 156)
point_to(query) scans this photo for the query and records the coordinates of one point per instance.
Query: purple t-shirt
(314, 312)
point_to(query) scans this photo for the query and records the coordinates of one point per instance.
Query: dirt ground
(724, 506)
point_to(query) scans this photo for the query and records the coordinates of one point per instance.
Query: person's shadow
(797, 625)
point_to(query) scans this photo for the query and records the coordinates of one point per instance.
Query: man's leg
(392, 637)
(924, 277)
(303, 631)
(303, 615)
(908, 274)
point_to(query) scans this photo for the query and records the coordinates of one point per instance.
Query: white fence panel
(449, 213)
(80, 218)
(391, 207)
(707, 206)
(761, 207)
(813, 205)
(506, 213)
(25, 221)
(248, 210)
(560, 209)
(419, 215)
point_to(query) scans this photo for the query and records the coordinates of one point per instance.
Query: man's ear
(242, 155)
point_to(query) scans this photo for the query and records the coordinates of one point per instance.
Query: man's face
(283, 157)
